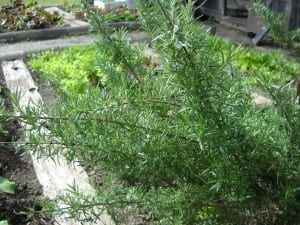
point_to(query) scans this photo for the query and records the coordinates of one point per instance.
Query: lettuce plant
(8, 187)
(75, 73)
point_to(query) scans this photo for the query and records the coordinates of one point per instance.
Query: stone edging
(42, 34)
(53, 33)
(129, 25)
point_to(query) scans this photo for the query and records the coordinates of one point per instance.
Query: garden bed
(72, 27)
(24, 206)
(23, 22)
(55, 177)
(164, 195)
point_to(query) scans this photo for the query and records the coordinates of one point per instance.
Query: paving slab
(22, 49)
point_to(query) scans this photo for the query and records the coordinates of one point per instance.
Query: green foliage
(74, 74)
(85, 4)
(6, 186)
(43, 2)
(183, 145)
(275, 23)
(121, 14)
(80, 66)
(3, 222)
(275, 66)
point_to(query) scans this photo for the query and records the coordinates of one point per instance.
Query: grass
(45, 2)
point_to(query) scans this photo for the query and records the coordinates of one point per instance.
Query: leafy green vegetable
(79, 68)
(75, 73)
(7, 186)
(121, 14)
(3, 222)
(274, 66)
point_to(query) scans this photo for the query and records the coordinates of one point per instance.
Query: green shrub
(7, 186)
(275, 22)
(184, 145)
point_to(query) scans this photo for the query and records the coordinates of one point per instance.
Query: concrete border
(42, 34)
(23, 49)
(53, 33)
(131, 25)
(57, 32)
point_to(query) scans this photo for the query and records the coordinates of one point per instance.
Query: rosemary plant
(179, 145)
(275, 22)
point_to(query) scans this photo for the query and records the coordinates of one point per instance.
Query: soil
(49, 94)
(17, 167)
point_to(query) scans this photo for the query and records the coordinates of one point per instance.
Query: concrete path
(21, 49)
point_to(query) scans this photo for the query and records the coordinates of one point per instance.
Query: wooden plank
(55, 177)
